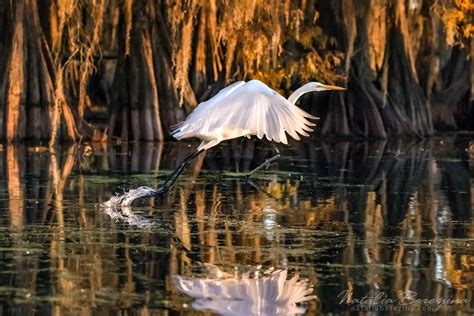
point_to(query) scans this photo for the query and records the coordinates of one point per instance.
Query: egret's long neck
(300, 91)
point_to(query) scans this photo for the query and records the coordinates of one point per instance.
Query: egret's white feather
(203, 107)
(267, 294)
(244, 109)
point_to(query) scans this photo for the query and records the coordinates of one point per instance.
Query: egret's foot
(159, 192)
(265, 165)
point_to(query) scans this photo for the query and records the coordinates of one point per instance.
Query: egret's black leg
(174, 176)
(128, 198)
(266, 163)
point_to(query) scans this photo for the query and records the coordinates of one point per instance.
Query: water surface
(365, 218)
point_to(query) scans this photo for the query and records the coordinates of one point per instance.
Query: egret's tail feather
(176, 126)
(182, 133)
(176, 129)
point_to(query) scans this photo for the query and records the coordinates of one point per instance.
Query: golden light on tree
(146, 65)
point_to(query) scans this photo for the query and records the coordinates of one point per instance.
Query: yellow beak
(329, 87)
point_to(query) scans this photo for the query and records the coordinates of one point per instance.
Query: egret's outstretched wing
(252, 107)
(202, 107)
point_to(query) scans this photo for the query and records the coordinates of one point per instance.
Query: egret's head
(317, 86)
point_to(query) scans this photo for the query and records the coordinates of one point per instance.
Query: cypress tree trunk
(168, 96)
(135, 109)
(383, 97)
(28, 85)
(404, 72)
(16, 82)
(451, 104)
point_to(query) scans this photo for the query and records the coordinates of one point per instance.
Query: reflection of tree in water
(365, 217)
(385, 198)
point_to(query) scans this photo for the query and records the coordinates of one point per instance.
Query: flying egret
(245, 109)
(241, 109)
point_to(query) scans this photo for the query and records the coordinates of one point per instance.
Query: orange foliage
(458, 20)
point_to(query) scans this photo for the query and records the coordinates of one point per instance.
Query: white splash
(118, 207)
(128, 197)
(125, 215)
(267, 294)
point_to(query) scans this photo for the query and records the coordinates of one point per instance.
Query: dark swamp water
(373, 219)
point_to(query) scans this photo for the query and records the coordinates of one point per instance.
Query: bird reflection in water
(249, 293)
(390, 217)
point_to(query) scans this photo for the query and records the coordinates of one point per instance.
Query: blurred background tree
(129, 69)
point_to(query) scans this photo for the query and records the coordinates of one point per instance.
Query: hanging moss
(407, 64)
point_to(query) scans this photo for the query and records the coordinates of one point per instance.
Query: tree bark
(383, 97)
(403, 76)
(135, 81)
(28, 84)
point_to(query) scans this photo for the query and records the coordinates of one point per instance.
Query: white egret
(245, 109)
(241, 109)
